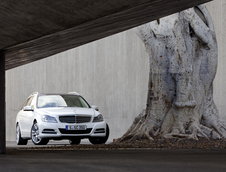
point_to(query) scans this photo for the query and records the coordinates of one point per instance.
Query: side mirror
(28, 108)
(95, 107)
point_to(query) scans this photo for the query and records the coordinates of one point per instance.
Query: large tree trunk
(182, 52)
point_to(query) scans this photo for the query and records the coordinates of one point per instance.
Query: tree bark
(183, 55)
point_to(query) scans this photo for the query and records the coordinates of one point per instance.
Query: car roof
(70, 93)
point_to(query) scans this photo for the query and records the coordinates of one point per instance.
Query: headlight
(98, 118)
(50, 119)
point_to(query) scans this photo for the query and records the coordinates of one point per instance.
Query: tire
(19, 139)
(75, 141)
(35, 138)
(100, 140)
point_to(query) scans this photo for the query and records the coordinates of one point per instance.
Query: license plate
(75, 127)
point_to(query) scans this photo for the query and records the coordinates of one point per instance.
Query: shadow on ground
(156, 156)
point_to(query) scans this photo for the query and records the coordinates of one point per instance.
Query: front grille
(75, 119)
(82, 119)
(64, 131)
(67, 119)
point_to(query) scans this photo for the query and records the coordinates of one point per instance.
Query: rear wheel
(100, 140)
(19, 139)
(35, 136)
(75, 141)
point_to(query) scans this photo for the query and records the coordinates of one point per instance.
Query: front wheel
(35, 136)
(19, 139)
(100, 140)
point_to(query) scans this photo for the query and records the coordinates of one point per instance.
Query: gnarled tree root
(140, 130)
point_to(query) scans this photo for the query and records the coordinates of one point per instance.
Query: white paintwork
(25, 120)
(75, 93)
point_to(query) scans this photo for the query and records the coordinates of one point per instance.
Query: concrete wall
(218, 12)
(111, 73)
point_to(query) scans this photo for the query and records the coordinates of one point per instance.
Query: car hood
(66, 111)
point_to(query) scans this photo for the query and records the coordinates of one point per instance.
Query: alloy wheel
(35, 134)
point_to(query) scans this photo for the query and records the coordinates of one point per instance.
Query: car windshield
(48, 101)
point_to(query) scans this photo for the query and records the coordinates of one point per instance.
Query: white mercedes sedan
(47, 117)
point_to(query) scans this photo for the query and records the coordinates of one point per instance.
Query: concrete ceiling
(35, 29)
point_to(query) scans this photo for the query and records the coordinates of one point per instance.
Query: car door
(27, 118)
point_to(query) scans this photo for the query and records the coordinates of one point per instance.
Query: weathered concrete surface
(111, 73)
(29, 19)
(32, 30)
(2, 104)
(121, 161)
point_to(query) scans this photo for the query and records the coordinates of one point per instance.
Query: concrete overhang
(35, 29)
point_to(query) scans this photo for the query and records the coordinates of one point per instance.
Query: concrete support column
(2, 104)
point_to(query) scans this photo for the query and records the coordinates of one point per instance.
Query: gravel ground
(171, 144)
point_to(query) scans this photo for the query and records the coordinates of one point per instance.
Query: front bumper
(58, 130)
